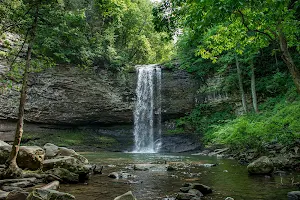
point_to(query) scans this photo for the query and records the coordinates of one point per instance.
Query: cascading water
(147, 114)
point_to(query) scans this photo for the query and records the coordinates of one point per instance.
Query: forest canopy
(102, 33)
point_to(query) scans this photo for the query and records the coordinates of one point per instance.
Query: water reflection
(228, 178)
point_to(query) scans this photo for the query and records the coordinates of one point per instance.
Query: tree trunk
(289, 60)
(239, 73)
(12, 169)
(253, 89)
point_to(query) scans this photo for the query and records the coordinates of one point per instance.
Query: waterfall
(147, 113)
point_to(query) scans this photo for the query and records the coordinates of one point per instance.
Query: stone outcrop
(67, 95)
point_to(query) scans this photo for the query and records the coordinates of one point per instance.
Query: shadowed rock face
(65, 95)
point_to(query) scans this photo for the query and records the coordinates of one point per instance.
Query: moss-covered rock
(262, 165)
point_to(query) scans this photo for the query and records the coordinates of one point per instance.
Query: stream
(227, 179)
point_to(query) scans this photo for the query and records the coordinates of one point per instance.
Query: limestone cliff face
(66, 95)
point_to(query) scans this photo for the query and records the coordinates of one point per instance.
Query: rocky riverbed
(141, 176)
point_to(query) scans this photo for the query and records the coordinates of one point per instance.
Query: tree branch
(255, 30)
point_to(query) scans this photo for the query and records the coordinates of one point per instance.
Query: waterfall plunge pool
(227, 179)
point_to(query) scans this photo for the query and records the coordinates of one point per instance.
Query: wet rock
(17, 195)
(65, 175)
(263, 165)
(202, 188)
(150, 167)
(294, 195)
(97, 169)
(184, 189)
(119, 175)
(126, 196)
(113, 175)
(207, 165)
(42, 194)
(195, 192)
(187, 196)
(3, 195)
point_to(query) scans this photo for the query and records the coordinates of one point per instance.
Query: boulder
(45, 194)
(294, 195)
(53, 151)
(65, 175)
(126, 196)
(50, 150)
(262, 165)
(70, 163)
(29, 157)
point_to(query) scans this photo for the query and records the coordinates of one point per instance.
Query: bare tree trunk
(239, 73)
(12, 169)
(289, 60)
(253, 89)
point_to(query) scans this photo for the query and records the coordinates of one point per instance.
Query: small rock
(195, 192)
(229, 198)
(294, 195)
(207, 165)
(126, 196)
(202, 188)
(184, 189)
(97, 169)
(113, 175)
(263, 165)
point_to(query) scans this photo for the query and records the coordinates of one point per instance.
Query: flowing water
(228, 178)
(147, 114)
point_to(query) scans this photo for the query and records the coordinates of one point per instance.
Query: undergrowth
(278, 121)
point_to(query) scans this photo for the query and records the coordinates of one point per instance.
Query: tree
(272, 20)
(11, 168)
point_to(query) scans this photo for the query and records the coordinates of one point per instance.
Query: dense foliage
(254, 47)
(110, 33)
